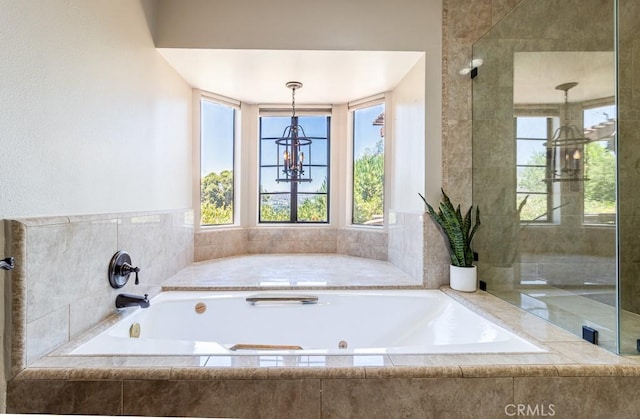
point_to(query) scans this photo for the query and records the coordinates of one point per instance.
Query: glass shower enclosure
(556, 161)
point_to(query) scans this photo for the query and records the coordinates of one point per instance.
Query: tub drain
(134, 330)
(201, 308)
(342, 344)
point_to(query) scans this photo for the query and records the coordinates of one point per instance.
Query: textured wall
(367, 243)
(60, 286)
(529, 28)
(464, 22)
(94, 120)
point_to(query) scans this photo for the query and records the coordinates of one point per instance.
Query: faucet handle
(126, 269)
(120, 269)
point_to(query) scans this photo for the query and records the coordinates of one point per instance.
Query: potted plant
(459, 232)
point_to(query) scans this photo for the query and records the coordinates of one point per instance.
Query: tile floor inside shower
(585, 298)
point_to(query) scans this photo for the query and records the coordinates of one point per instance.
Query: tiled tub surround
(59, 288)
(574, 378)
(221, 242)
(401, 244)
(278, 271)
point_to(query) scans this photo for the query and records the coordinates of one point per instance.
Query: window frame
(552, 121)
(277, 111)
(588, 105)
(352, 107)
(201, 97)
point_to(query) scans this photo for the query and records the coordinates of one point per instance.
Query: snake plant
(457, 229)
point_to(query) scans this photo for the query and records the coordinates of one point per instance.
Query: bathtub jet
(130, 300)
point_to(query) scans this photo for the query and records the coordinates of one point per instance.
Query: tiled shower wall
(60, 286)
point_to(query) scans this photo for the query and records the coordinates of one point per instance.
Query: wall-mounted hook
(7, 263)
(473, 68)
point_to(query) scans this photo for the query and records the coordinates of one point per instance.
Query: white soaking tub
(338, 323)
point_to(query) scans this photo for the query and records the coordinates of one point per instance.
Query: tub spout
(130, 300)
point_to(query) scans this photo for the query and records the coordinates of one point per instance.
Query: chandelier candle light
(565, 149)
(294, 141)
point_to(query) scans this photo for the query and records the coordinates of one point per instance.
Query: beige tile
(15, 297)
(86, 312)
(332, 270)
(440, 371)
(316, 372)
(415, 397)
(121, 373)
(64, 397)
(509, 370)
(594, 397)
(113, 362)
(66, 262)
(587, 353)
(223, 398)
(153, 241)
(219, 373)
(47, 333)
(482, 360)
(602, 370)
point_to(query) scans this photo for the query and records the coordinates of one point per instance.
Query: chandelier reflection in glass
(292, 146)
(565, 150)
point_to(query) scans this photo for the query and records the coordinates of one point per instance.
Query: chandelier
(565, 150)
(292, 145)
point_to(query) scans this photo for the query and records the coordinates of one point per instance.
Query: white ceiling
(536, 74)
(259, 76)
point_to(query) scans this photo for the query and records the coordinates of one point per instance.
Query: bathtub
(303, 322)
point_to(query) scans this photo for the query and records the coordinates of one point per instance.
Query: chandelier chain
(293, 100)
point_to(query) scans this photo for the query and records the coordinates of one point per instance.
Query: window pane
(314, 126)
(318, 153)
(531, 179)
(275, 207)
(273, 126)
(268, 152)
(532, 127)
(535, 209)
(216, 163)
(532, 152)
(531, 167)
(319, 180)
(312, 207)
(368, 165)
(600, 166)
(268, 181)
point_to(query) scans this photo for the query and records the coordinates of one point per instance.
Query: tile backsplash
(60, 286)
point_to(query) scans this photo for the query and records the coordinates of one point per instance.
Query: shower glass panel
(545, 160)
(628, 138)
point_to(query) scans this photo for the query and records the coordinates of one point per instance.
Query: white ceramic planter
(463, 278)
